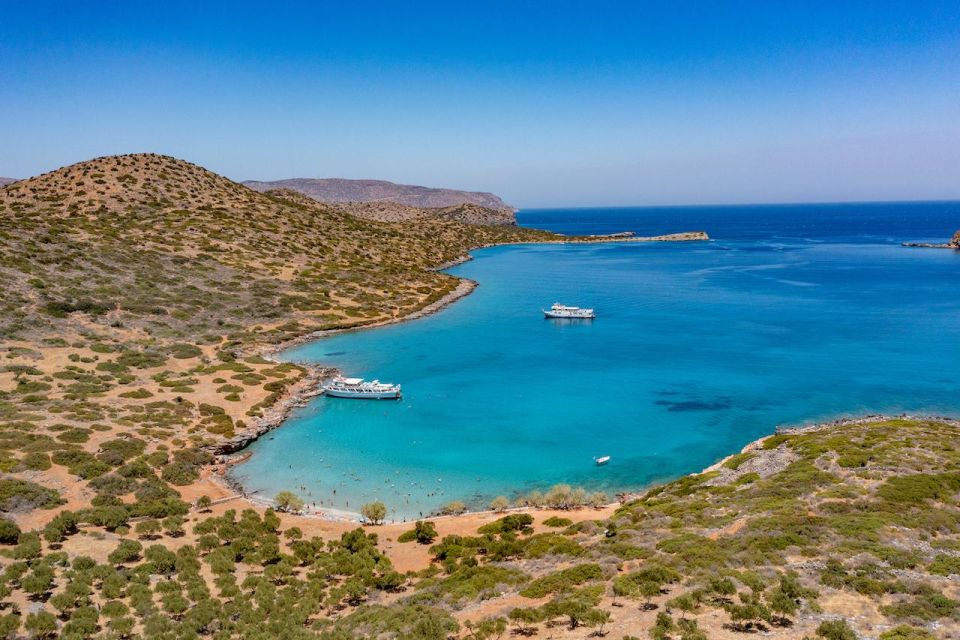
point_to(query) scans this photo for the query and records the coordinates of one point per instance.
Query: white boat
(562, 311)
(359, 388)
(602, 460)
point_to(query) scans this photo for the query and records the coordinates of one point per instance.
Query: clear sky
(546, 103)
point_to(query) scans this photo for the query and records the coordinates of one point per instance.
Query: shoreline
(273, 417)
(306, 389)
(822, 426)
(309, 386)
(623, 498)
(465, 286)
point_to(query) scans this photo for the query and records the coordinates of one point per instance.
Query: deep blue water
(791, 314)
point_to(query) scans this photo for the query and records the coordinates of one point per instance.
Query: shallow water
(790, 315)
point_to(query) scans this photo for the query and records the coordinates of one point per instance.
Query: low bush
(423, 532)
(556, 521)
(21, 495)
(563, 580)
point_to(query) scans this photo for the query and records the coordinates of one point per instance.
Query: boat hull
(363, 395)
(559, 316)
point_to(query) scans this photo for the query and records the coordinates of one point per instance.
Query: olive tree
(374, 512)
(288, 501)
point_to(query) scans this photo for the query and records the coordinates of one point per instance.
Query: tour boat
(562, 311)
(602, 460)
(360, 388)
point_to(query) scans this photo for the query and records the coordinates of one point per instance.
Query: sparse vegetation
(137, 291)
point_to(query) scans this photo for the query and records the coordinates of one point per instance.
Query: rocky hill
(336, 190)
(159, 243)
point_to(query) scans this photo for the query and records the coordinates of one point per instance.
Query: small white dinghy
(602, 460)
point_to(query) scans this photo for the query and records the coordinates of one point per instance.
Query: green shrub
(17, 495)
(185, 466)
(126, 551)
(182, 351)
(836, 630)
(116, 452)
(512, 522)
(468, 584)
(9, 531)
(563, 580)
(944, 565)
(919, 487)
(74, 436)
(922, 608)
(36, 461)
(423, 532)
(556, 521)
(137, 394)
(906, 632)
(62, 525)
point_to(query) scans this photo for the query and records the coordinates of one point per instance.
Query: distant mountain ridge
(338, 190)
(5, 181)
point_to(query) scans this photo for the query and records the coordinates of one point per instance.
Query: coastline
(274, 416)
(766, 462)
(309, 386)
(300, 393)
(756, 445)
(465, 286)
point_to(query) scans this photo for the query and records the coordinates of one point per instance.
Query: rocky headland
(954, 243)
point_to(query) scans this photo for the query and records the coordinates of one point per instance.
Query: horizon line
(748, 204)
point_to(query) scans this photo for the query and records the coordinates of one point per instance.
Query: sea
(789, 315)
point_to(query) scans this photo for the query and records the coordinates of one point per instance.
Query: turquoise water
(806, 314)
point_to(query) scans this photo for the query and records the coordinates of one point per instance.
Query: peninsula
(954, 243)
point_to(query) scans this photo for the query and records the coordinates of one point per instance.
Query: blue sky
(545, 103)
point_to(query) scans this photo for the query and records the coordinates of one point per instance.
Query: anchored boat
(562, 311)
(361, 389)
(602, 460)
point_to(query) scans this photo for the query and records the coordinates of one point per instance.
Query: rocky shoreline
(309, 386)
(297, 396)
(953, 244)
(620, 236)
(464, 288)
(768, 467)
(765, 462)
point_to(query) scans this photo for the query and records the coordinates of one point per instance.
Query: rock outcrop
(630, 236)
(953, 244)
